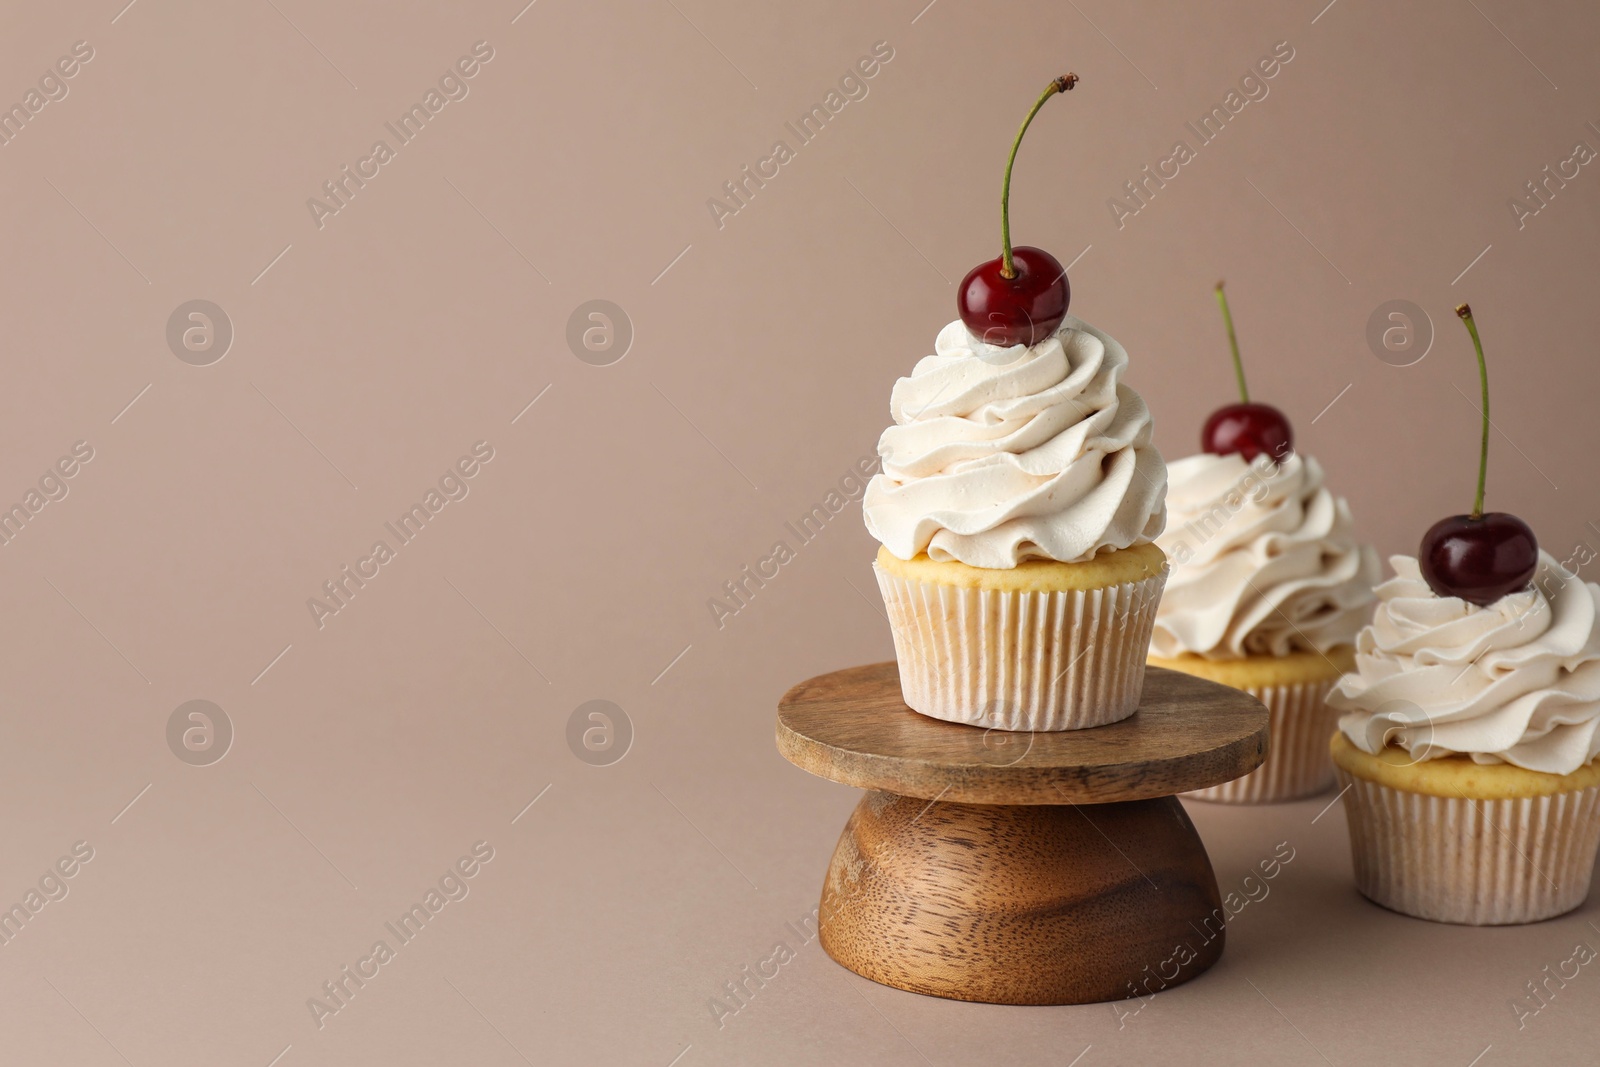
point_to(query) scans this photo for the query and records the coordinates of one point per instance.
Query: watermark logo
(599, 333)
(740, 591)
(995, 351)
(52, 87)
(199, 332)
(199, 733)
(453, 486)
(53, 485)
(453, 86)
(52, 886)
(1253, 88)
(853, 86)
(599, 733)
(1399, 332)
(452, 887)
(1409, 729)
(1539, 191)
(1001, 747)
(1254, 488)
(1155, 977)
(737, 992)
(1552, 979)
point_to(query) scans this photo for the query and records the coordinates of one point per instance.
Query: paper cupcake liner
(1063, 660)
(1477, 862)
(1299, 723)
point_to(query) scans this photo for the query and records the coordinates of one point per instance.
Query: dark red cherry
(1020, 297)
(1479, 559)
(1023, 310)
(1245, 429)
(1250, 430)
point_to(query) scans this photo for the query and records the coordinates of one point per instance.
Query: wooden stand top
(852, 726)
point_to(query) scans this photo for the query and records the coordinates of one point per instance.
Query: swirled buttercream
(999, 455)
(1264, 561)
(1516, 682)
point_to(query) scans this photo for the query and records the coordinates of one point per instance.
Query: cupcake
(1267, 591)
(1268, 586)
(1016, 508)
(1468, 748)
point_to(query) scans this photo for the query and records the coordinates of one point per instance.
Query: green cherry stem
(1233, 343)
(1008, 268)
(1483, 381)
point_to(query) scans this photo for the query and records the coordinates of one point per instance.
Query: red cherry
(1250, 430)
(1479, 559)
(1245, 429)
(1015, 311)
(1021, 297)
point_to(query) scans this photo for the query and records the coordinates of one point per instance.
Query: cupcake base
(1034, 648)
(1294, 689)
(1456, 852)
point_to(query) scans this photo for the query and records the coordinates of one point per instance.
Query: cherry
(1250, 430)
(1021, 297)
(1023, 309)
(1477, 557)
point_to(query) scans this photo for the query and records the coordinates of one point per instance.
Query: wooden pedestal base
(1017, 868)
(1021, 904)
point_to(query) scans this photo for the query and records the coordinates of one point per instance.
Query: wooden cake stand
(1021, 868)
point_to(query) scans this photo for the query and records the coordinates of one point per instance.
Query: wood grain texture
(1022, 904)
(852, 726)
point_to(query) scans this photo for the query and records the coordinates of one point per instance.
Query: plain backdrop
(375, 346)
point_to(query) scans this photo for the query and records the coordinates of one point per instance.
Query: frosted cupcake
(1468, 748)
(1268, 586)
(1016, 508)
(1267, 591)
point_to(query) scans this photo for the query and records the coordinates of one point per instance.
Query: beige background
(373, 352)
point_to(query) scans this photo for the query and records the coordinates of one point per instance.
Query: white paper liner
(1299, 723)
(1476, 862)
(1063, 660)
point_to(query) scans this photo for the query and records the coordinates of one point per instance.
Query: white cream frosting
(1263, 561)
(999, 455)
(1515, 682)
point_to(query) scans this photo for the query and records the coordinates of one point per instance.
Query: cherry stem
(1483, 381)
(1233, 342)
(1008, 268)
